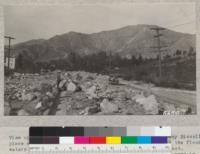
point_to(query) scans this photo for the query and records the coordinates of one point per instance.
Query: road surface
(172, 96)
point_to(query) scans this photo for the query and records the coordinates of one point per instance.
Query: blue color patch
(144, 139)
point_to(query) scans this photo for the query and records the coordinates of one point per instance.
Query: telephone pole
(110, 60)
(159, 47)
(9, 48)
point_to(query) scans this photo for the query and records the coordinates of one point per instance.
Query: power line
(186, 23)
(159, 47)
(9, 48)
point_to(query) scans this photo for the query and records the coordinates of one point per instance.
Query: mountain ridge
(126, 41)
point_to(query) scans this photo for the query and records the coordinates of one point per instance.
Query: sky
(35, 22)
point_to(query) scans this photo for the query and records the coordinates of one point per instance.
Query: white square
(66, 140)
(162, 131)
(147, 131)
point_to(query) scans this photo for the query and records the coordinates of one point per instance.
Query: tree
(24, 63)
(72, 58)
(178, 52)
(116, 60)
(133, 60)
(191, 52)
(184, 53)
(167, 56)
(139, 59)
(19, 62)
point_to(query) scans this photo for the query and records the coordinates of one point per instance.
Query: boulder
(45, 87)
(78, 77)
(83, 112)
(45, 101)
(62, 84)
(30, 108)
(16, 74)
(137, 97)
(120, 96)
(16, 105)
(92, 92)
(18, 95)
(50, 95)
(61, 109)
(168, 107)
(184, 109)
(108, 107)
(38, 106)
(37, 94)
(28, 97)
(149, 104)
(72, 87)
(89, 78)
(133, 108)
(102, 82)
(90, 110)
(22, 112)
(6, 108)
(65, 94)
(46, 112)
(55, 91)
(86, 85)
(113, 81)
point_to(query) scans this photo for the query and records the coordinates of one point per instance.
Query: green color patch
(128, 139)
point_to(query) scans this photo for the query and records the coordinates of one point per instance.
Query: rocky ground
(79, 93)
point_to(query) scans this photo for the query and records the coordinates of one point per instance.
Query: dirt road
(171, 96)
(176, 97)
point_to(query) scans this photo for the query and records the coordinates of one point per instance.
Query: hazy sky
(34, 22)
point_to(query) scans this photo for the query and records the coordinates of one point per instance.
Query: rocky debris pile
(77, 93)
(113, 80)
(28, 94)
(90, 93)
(108, 107)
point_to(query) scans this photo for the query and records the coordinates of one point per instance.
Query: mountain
(126, 41)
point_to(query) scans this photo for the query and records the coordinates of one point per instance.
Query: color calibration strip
(99, 135)
(100, 131)
(100, 140)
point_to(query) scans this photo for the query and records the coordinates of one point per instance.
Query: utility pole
(159, 47)
(9, 48)
(110, 60)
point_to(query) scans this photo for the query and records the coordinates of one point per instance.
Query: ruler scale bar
(140, 148)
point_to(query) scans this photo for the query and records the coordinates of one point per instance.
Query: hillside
(126, 41)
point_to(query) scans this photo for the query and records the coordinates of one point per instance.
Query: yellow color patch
(113, 140)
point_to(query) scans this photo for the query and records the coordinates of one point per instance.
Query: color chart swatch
(99, 135)
(100, 140)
